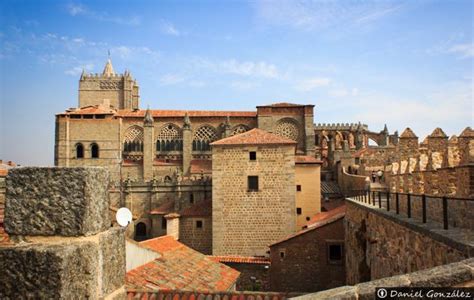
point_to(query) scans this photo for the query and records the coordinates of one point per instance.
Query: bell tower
(109, 88)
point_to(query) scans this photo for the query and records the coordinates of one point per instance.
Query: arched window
(170, 138)
(133, 139)
(288, 128)
(140, 231)
(94, 150)
(239, 129)
(203, 137)
(79, 151)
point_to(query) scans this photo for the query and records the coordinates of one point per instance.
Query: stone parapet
(57, 201)
(450, 275)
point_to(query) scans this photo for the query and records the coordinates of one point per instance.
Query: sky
(400, 63)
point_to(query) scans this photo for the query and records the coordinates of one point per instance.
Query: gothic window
(288, 128)
(170, 138)
(203, 137)
(239, 129)
(133, 139)
(79, 151)
(94, 150)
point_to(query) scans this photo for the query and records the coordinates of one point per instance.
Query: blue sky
(404, 63)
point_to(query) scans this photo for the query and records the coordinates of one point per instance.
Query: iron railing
(421, 206)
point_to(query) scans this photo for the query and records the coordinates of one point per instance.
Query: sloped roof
(283, 104)
(254, 136)
(306, 159)
(331, 218)
(438, 132)
(322, 216)
(164, 208)
(201, 166)
(180, 268)
(181, 113)
(241, 259)
(90, 110)
(408, 133)
(198, 209)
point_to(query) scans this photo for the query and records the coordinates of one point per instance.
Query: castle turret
(117, 90)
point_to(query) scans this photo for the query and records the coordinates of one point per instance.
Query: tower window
(163, 223)
(298, 210)
(199, 224)
(253, 155)
(191, 198)
(252, 183)
(79, 151)
(298, 188)
(95, 151)
(282, 253)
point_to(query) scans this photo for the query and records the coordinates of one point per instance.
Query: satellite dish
(123, 216)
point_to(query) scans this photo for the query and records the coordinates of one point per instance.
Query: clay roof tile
(254, 136)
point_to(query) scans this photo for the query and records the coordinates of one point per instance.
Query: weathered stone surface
(112, 247)
(448, 275)
(343, 292)
(57, 201)
(67, 268)
(49, 271)
(366, 290)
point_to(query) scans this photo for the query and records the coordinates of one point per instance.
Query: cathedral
(185, 164)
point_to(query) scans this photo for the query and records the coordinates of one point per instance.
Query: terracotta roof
(467, 132)
(322, 216)
(3, 172)
(328, 220)
(181, 113)
(241, 259)
(408, 133)
(180, 268)
(194, 295)
(163, 162)
(201, 166)
(198, 209)
(90, 110)
(438, 132)
(164, 208)
(305, 159)
(254, 136)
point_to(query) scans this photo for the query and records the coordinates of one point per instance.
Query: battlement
(340, 126)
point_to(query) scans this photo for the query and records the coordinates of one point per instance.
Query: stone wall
(349, 183)
(308, 198)
(253, 277)
(245, 222)
(458, 274)
(55, 253)
(383, 244)
(199, 239)
(305, 266)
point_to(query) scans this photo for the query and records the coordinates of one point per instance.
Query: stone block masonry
(62, 244)
(57, 201)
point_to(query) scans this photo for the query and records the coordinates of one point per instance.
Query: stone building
(158, 156)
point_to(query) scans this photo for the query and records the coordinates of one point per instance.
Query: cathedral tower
(117, 90)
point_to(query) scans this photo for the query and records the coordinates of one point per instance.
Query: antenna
(123, 216)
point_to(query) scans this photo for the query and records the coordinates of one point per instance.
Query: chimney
(172, 225)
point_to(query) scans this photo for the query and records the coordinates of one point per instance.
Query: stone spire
(108, 69)
(385, 129)
(148, 120)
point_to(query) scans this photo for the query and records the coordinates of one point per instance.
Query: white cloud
(171, 79)
(169, 29)
(75, 9)
(249, 68)
(75, 71)
(312, 83)
(243, 85)
(311, 15)
(465, 50)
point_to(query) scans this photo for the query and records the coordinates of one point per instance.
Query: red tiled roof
(322, 216)
(198, 209)
(305, 159)
(163, 162)
(90, 110)
(182, 113)
(284, 104)
(194, 295)
(201, 166)
(180, 268)
(328, 218)
(254, 136)
(3, 172)
(241, 259)
(164, 208)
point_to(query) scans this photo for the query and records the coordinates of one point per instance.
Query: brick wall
(305, 267)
